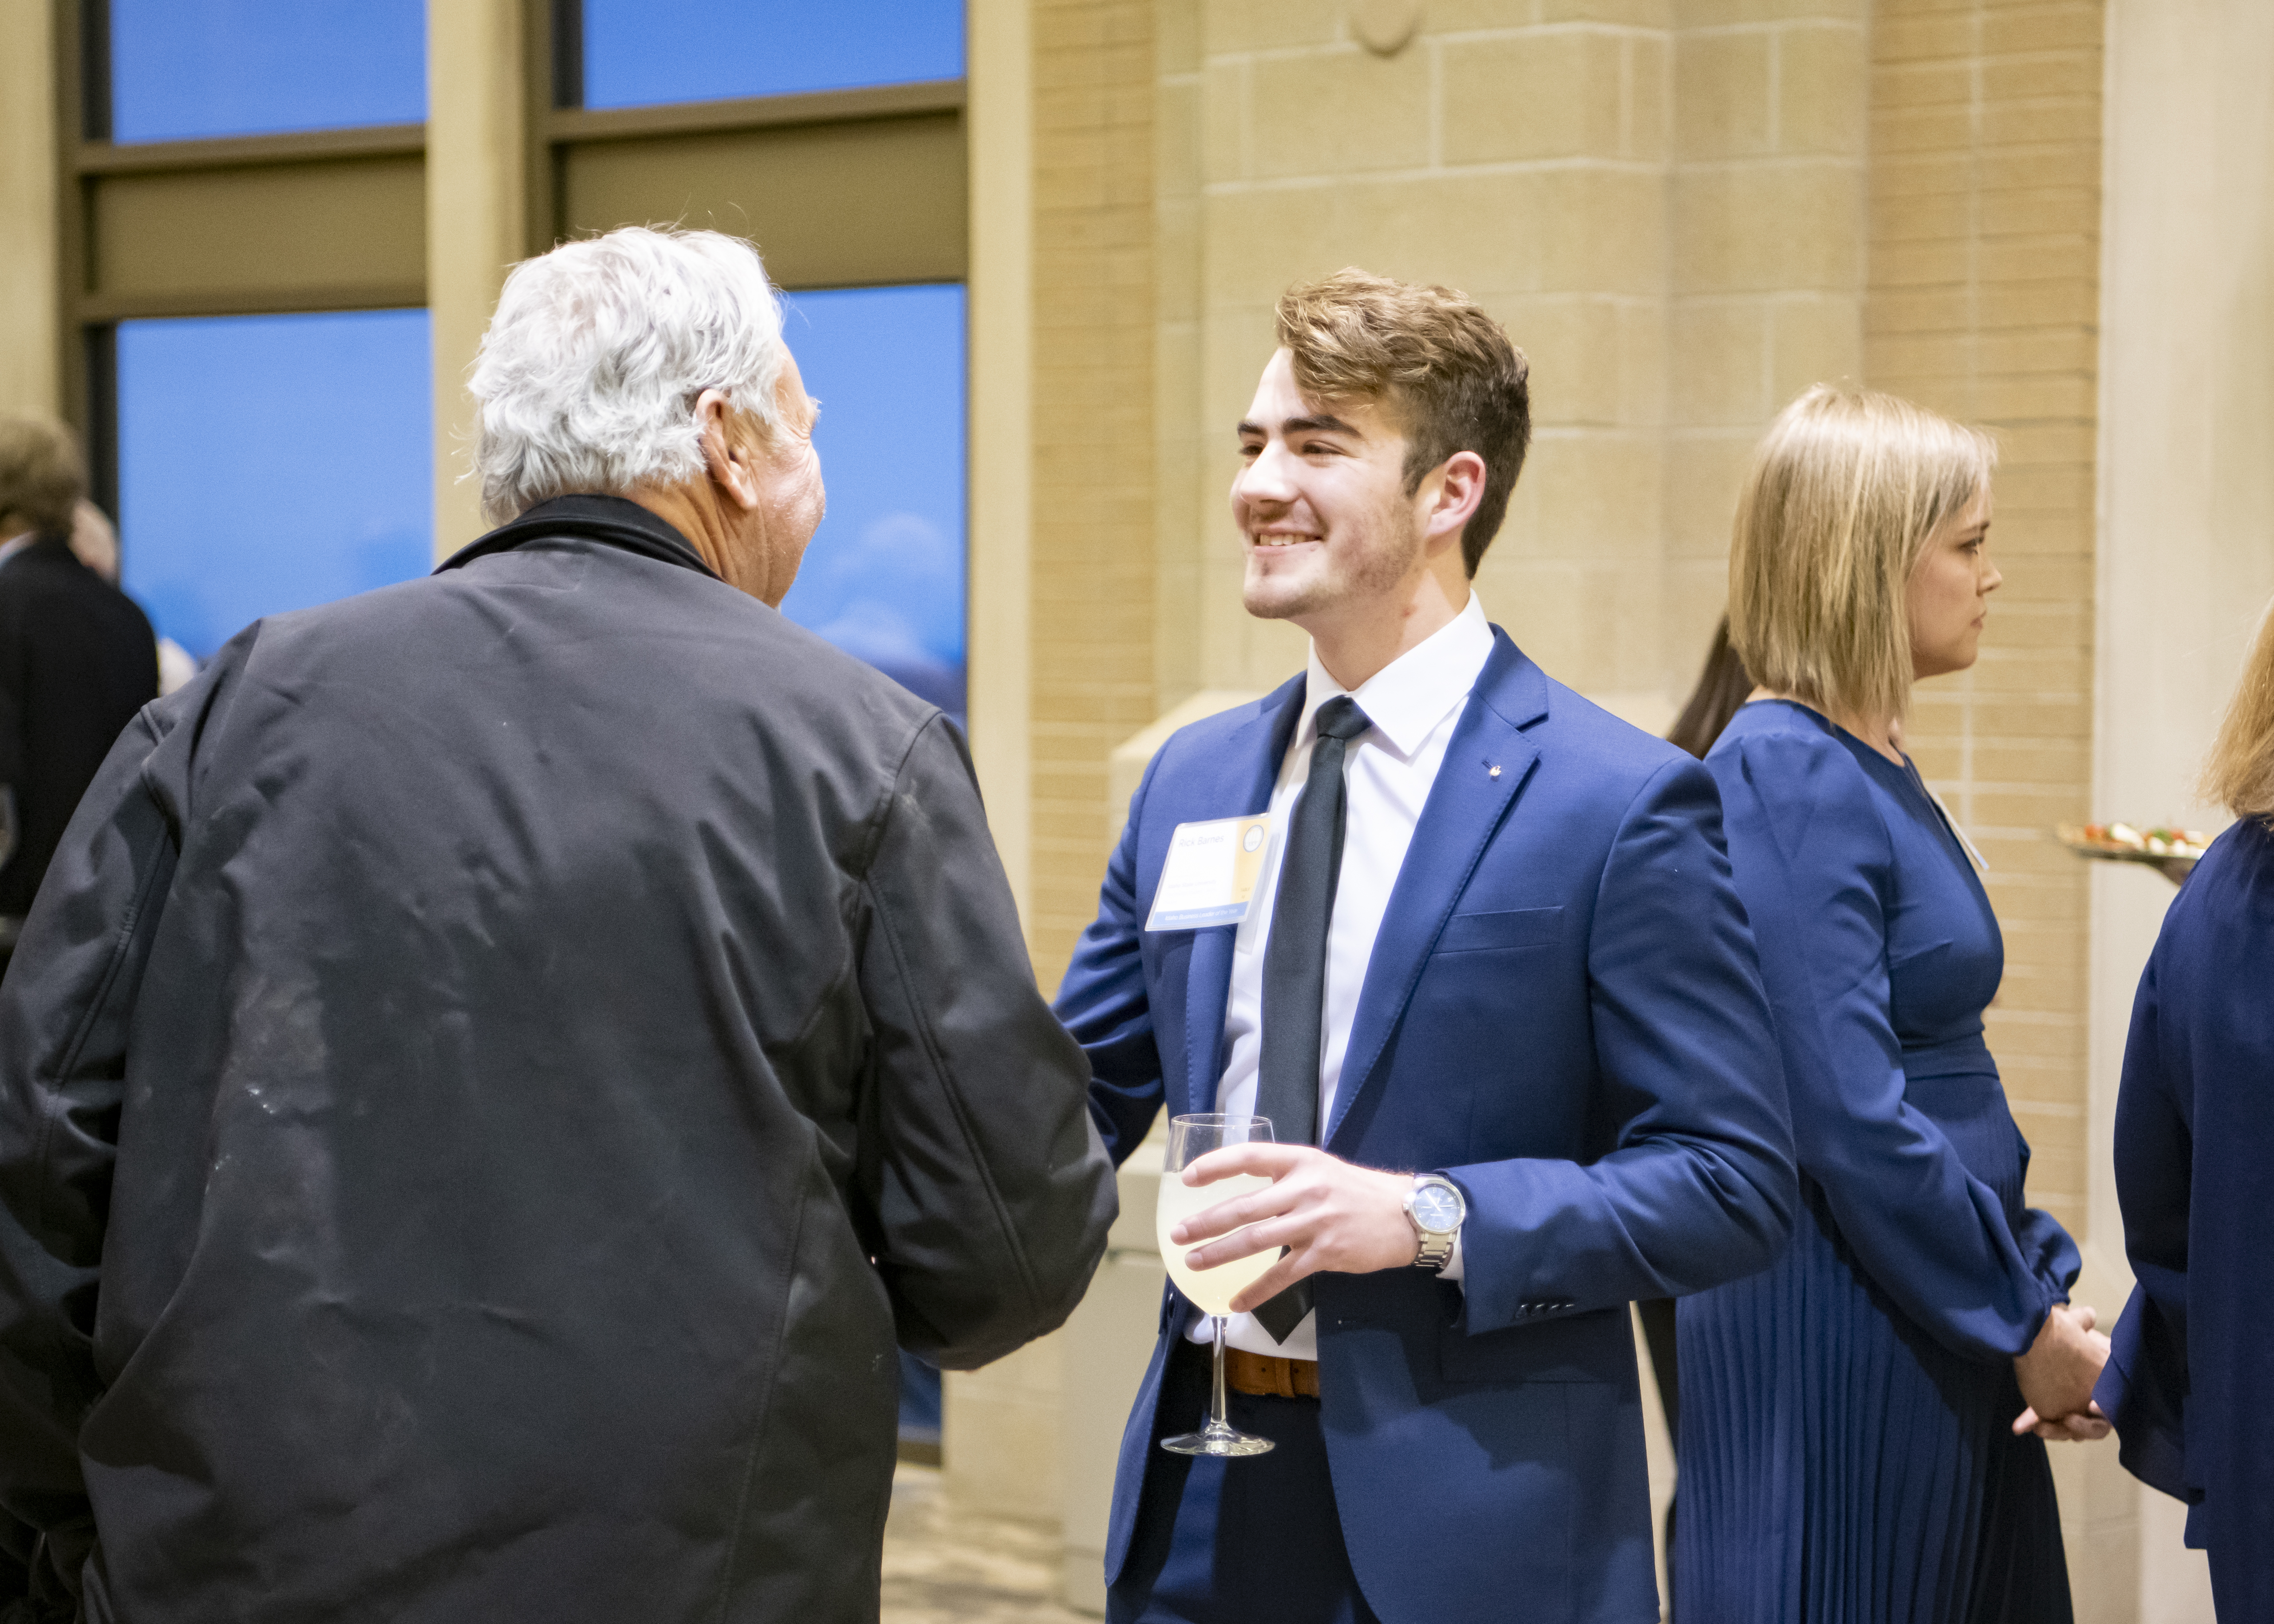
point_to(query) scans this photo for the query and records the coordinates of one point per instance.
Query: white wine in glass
(1210, 1289)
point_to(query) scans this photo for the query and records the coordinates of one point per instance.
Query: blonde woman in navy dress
(1863, 1425)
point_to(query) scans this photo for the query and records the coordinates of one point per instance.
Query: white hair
(588, 376)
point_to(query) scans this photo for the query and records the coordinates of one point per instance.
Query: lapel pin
(1496, 770)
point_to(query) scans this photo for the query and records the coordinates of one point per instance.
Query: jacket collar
(611, 521)
(40, 544)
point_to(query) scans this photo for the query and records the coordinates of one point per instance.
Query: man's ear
(729, 462)
(1459, 483)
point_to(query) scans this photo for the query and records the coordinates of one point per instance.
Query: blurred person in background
(96, 541)
(77, 659)
(1863, 1424)
(505, 1058)
(2194, 1351)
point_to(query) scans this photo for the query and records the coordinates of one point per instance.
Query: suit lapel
(1464, 809)
(1248, 767)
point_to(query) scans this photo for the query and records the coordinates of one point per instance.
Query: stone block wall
(1092, 676)
(1766, 278)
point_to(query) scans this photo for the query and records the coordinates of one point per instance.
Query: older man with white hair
(511, 1055)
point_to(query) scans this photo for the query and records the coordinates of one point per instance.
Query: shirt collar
(1409, 696)
(14, 545)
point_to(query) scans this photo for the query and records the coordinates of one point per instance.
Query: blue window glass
(181, 69)
(883, 579)
(269, 463)
(715, 49)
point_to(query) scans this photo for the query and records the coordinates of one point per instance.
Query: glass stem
(1218, 1420)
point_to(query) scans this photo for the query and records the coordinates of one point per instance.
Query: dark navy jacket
(1563, 1013)
(2193, 1356)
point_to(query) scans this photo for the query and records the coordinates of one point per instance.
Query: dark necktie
(1295, 965)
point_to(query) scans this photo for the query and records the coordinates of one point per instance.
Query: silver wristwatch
(1435, 1209)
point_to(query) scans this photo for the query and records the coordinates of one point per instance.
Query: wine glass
(1210, 1289)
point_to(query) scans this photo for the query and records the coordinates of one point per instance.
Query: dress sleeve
(1815, 866)
(2143, 1388)
(65, 1013)
(992, 1195)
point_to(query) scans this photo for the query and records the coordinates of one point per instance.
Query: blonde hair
(41, 480)
(2240, 773)
(1435, 360)
(1844, 492)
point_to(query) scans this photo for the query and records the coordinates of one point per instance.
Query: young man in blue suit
(1494, 989)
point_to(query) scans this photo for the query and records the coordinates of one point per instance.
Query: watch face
(1436, 1208)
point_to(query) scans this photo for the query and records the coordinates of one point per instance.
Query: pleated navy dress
(1846, 1452)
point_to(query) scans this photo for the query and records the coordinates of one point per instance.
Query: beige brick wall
(1189, 520)
(1767, 274)
(1093, 680)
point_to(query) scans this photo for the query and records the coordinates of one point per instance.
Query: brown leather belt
(1268, 1375)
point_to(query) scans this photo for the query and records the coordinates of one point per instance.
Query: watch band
(1437, 1251)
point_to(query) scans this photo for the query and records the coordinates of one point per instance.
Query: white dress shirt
(1414, 703)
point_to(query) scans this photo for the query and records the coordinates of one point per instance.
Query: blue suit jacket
(1562, 1013)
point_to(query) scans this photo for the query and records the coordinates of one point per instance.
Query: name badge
(1210, 875)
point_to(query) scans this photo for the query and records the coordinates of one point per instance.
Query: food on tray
(2124, 841)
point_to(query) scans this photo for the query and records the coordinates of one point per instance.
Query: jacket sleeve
(1814, 863)
(2143, 1388)
(992, 1192)
(1698, 1187)
(1102, 1000)
(64, 1012)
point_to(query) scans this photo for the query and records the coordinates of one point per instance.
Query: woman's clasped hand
(2057, 1375)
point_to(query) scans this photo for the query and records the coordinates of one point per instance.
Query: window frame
(118, 259)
